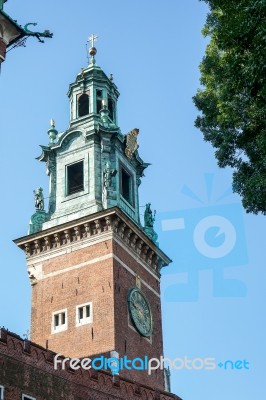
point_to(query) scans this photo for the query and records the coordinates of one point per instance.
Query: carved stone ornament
(131, 143)
(36, 221)
(87, 229)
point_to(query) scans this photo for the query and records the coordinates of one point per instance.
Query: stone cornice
(111, 220)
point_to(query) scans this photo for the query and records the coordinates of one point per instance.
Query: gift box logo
(209, 237)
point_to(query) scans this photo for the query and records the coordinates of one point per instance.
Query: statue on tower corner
(149, 219)
(39, 199)
(107, 192)
(108, 173)
(40, 216)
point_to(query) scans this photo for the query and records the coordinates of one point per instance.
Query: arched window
(83, 105)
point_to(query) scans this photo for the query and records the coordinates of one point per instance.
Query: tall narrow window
(83, 105)
(111, 108)
(75, 178)
(126, 186)
(99, 98)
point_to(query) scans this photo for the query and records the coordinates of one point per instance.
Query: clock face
(140, 312)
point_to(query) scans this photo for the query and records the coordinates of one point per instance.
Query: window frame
(27, 397)
(78, 104)
(60, 327)
(131, 200)
(67, 178)
(85, 320)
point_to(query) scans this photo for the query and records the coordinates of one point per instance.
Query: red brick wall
(90, 283)
(2, 50)
(105, 284)
(26, 368)
(127, 340)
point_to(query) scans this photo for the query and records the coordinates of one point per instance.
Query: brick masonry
(26, 368)
(2, 50)
(127, 340)
(99, 267)
(90, 283)
(105, 284)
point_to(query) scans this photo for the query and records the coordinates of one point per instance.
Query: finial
(52, 133)
(92, 50)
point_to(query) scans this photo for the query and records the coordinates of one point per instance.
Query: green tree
(232, 99)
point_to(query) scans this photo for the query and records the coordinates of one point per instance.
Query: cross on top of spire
(92, 39)
(92, 50)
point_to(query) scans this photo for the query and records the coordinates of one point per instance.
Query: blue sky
(213, 307)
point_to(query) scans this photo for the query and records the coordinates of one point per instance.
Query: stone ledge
(111, 220)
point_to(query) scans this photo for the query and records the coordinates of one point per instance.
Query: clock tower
(94, 268)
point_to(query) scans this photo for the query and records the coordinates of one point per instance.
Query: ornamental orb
(93, 51)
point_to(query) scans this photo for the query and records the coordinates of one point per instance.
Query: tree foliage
(232, 99)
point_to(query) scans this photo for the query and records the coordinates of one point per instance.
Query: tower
(93, 267)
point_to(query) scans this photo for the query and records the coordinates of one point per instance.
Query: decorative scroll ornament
(131, 143)
(37, 220)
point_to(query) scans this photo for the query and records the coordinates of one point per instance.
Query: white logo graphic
(225, 228)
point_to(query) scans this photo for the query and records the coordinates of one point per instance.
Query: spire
(92, 49)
